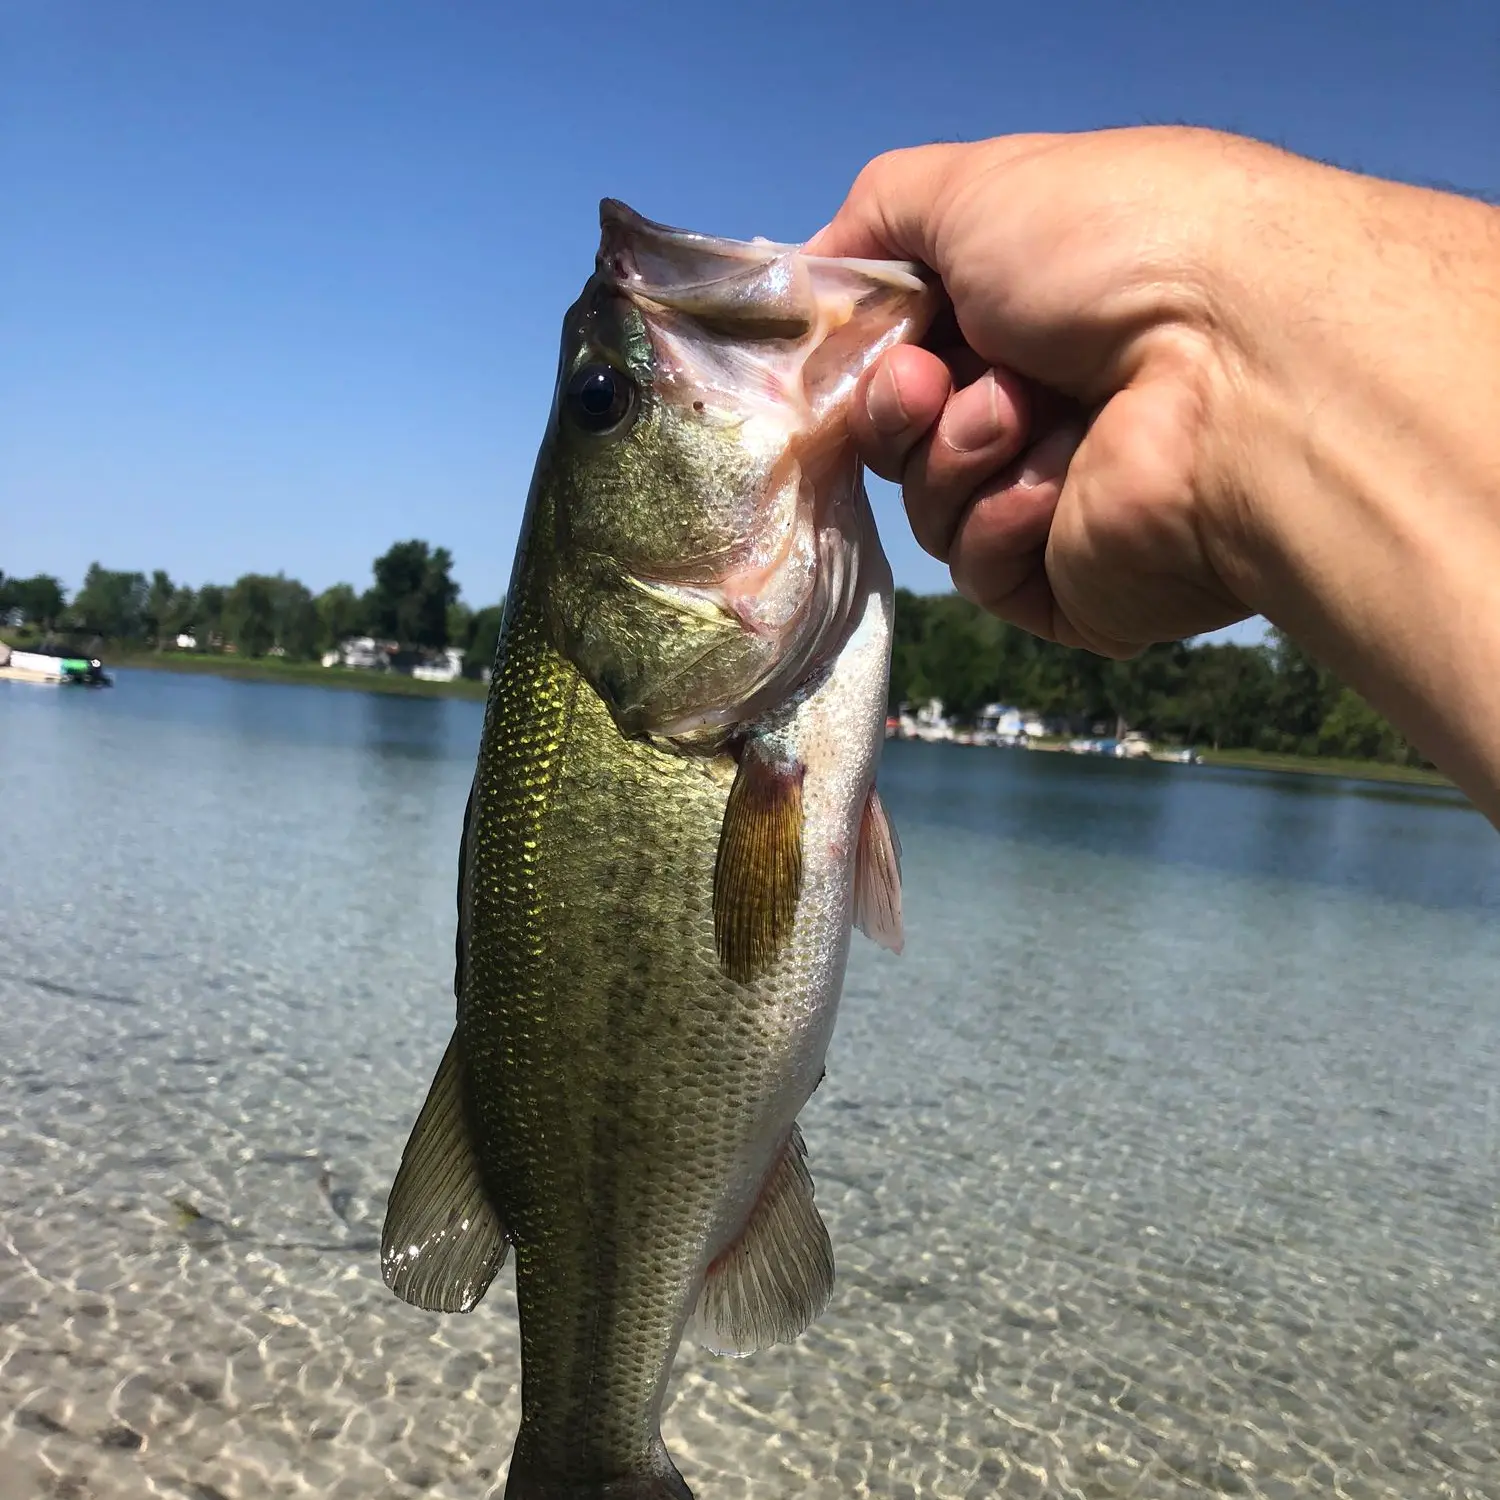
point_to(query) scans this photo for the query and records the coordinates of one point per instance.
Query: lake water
(1164, 1163)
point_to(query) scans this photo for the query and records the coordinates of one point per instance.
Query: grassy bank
(271, 669)
(1324, 765)
(307, 674)
(1311, 765)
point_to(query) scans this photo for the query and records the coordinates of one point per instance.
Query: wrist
(1355, 472)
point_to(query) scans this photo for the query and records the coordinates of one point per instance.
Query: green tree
(40, 599)
(112, 605)
(906, 647)
(1138, 693)
(413, 590)
(1274, 696)
(1355, 730)
(1302, 696)
(1069, 685)
(460, 625)
(944, 647)
(157, 607)
(341, 613)
(296, 618)
(181, 613)
(1224, 696)
(209, 618)
(250, 614)
(484, 637)
(962, 654)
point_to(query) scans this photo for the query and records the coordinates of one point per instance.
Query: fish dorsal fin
(758, 876)
(443, 1241)
(877, 877)
(778, 1276)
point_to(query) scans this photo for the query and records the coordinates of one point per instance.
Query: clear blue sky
(281, 283)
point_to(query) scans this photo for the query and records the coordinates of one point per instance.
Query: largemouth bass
(672, 827)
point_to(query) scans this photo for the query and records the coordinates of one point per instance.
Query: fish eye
(600, 397)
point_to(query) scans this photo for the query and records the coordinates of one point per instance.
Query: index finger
(887, 214)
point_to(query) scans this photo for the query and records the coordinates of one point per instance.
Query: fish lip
(697, 292)
(776, 338)
(619, 217)
(628, 241)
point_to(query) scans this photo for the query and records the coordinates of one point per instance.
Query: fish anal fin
(877, 877)
(777, 1277)
(443, 1242)
(758, 875)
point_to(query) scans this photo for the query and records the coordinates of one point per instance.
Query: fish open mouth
(778, 334)
(753, 290)
(759, 346)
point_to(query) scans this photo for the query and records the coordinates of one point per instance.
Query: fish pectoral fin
(877, 877)
(758, 875)
(777, 1277)
(443, 1241)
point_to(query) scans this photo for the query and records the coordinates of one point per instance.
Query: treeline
(412, 600)
(1273, 697)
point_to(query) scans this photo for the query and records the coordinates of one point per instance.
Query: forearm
(1363, 445)
(1292, 376)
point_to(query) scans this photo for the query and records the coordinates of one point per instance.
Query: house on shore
(365, 652)
(370, 654)
(1004, 724)
(928, 723)
(448, 666)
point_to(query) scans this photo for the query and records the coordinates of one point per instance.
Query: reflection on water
(1162, 1164)
(1422, 844)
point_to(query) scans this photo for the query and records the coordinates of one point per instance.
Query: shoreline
(1277, 763)
(353, 679)
(1320, 765)
(301, 674)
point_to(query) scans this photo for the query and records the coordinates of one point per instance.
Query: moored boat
(48, 668)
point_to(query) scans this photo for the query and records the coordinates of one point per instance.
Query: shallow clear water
(1164, 1163)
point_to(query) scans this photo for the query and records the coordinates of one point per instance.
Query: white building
(361, 651)
(449, 669)
(1002, 724)
(928, 723)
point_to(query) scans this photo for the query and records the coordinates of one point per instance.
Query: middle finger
(981, 429)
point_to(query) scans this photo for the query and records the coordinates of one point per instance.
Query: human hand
(1069, 450)
(1193, 378)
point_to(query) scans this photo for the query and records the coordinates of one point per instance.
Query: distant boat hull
(57, 671)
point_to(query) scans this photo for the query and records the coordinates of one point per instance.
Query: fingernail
(974, 417)
(1047, 462)
(883, 404)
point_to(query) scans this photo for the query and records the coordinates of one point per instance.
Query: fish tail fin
(656, 1479)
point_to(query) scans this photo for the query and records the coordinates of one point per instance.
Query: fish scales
(638, 1071)
(619, 1100)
